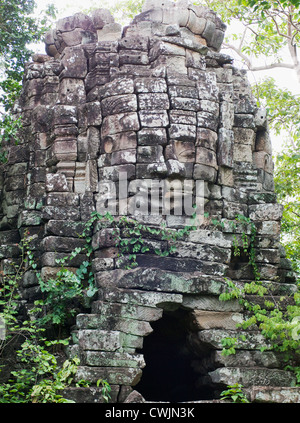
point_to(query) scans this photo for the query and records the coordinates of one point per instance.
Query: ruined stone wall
(155, 100)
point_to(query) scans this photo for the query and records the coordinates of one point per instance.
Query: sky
(69, 7)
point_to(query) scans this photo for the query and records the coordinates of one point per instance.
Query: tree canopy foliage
(18, 29)
(268, 27)
(266, 4)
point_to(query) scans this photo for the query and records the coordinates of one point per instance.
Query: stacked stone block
(154, 100)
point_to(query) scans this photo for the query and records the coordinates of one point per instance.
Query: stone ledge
(252, 376)
(272, 394)
(89, 395)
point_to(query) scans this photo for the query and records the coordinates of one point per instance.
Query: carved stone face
(146, 106)
(137, 107)
(150, 128)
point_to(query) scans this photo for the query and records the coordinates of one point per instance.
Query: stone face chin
(111, 117)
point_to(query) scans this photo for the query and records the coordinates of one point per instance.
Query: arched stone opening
(174, 364)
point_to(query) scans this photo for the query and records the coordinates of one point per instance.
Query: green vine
(105, 389)
(10, 128)
(280, 326)
(129, 237)
(67, 287)
(40, 379)
(248, 243)
(131, 240)
(35, 375)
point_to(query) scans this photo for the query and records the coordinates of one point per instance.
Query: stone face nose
(142, 122)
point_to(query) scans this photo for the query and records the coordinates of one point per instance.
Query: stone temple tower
(106, 112)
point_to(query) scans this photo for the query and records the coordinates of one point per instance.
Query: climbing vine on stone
(277, 321)
(35, 373)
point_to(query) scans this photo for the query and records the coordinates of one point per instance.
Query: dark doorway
(169, 374)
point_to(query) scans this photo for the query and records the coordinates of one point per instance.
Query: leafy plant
(60, 292)
(38, 378)
(9, 130)
(287, 185)
(18, 29)
(10, 298)
(247, 243)
(129, 236)
(106, 389)
(278, 324)
(33, 361)
(267, 28)
(14, 50)
(228, 344)
(234, 393)
(35, 373)
(131, 240)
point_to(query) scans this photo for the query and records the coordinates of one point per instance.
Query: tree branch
(277, 27)
(240, 53)
(243, 38)
(272, 66)
(298, 215)
(258, 68)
